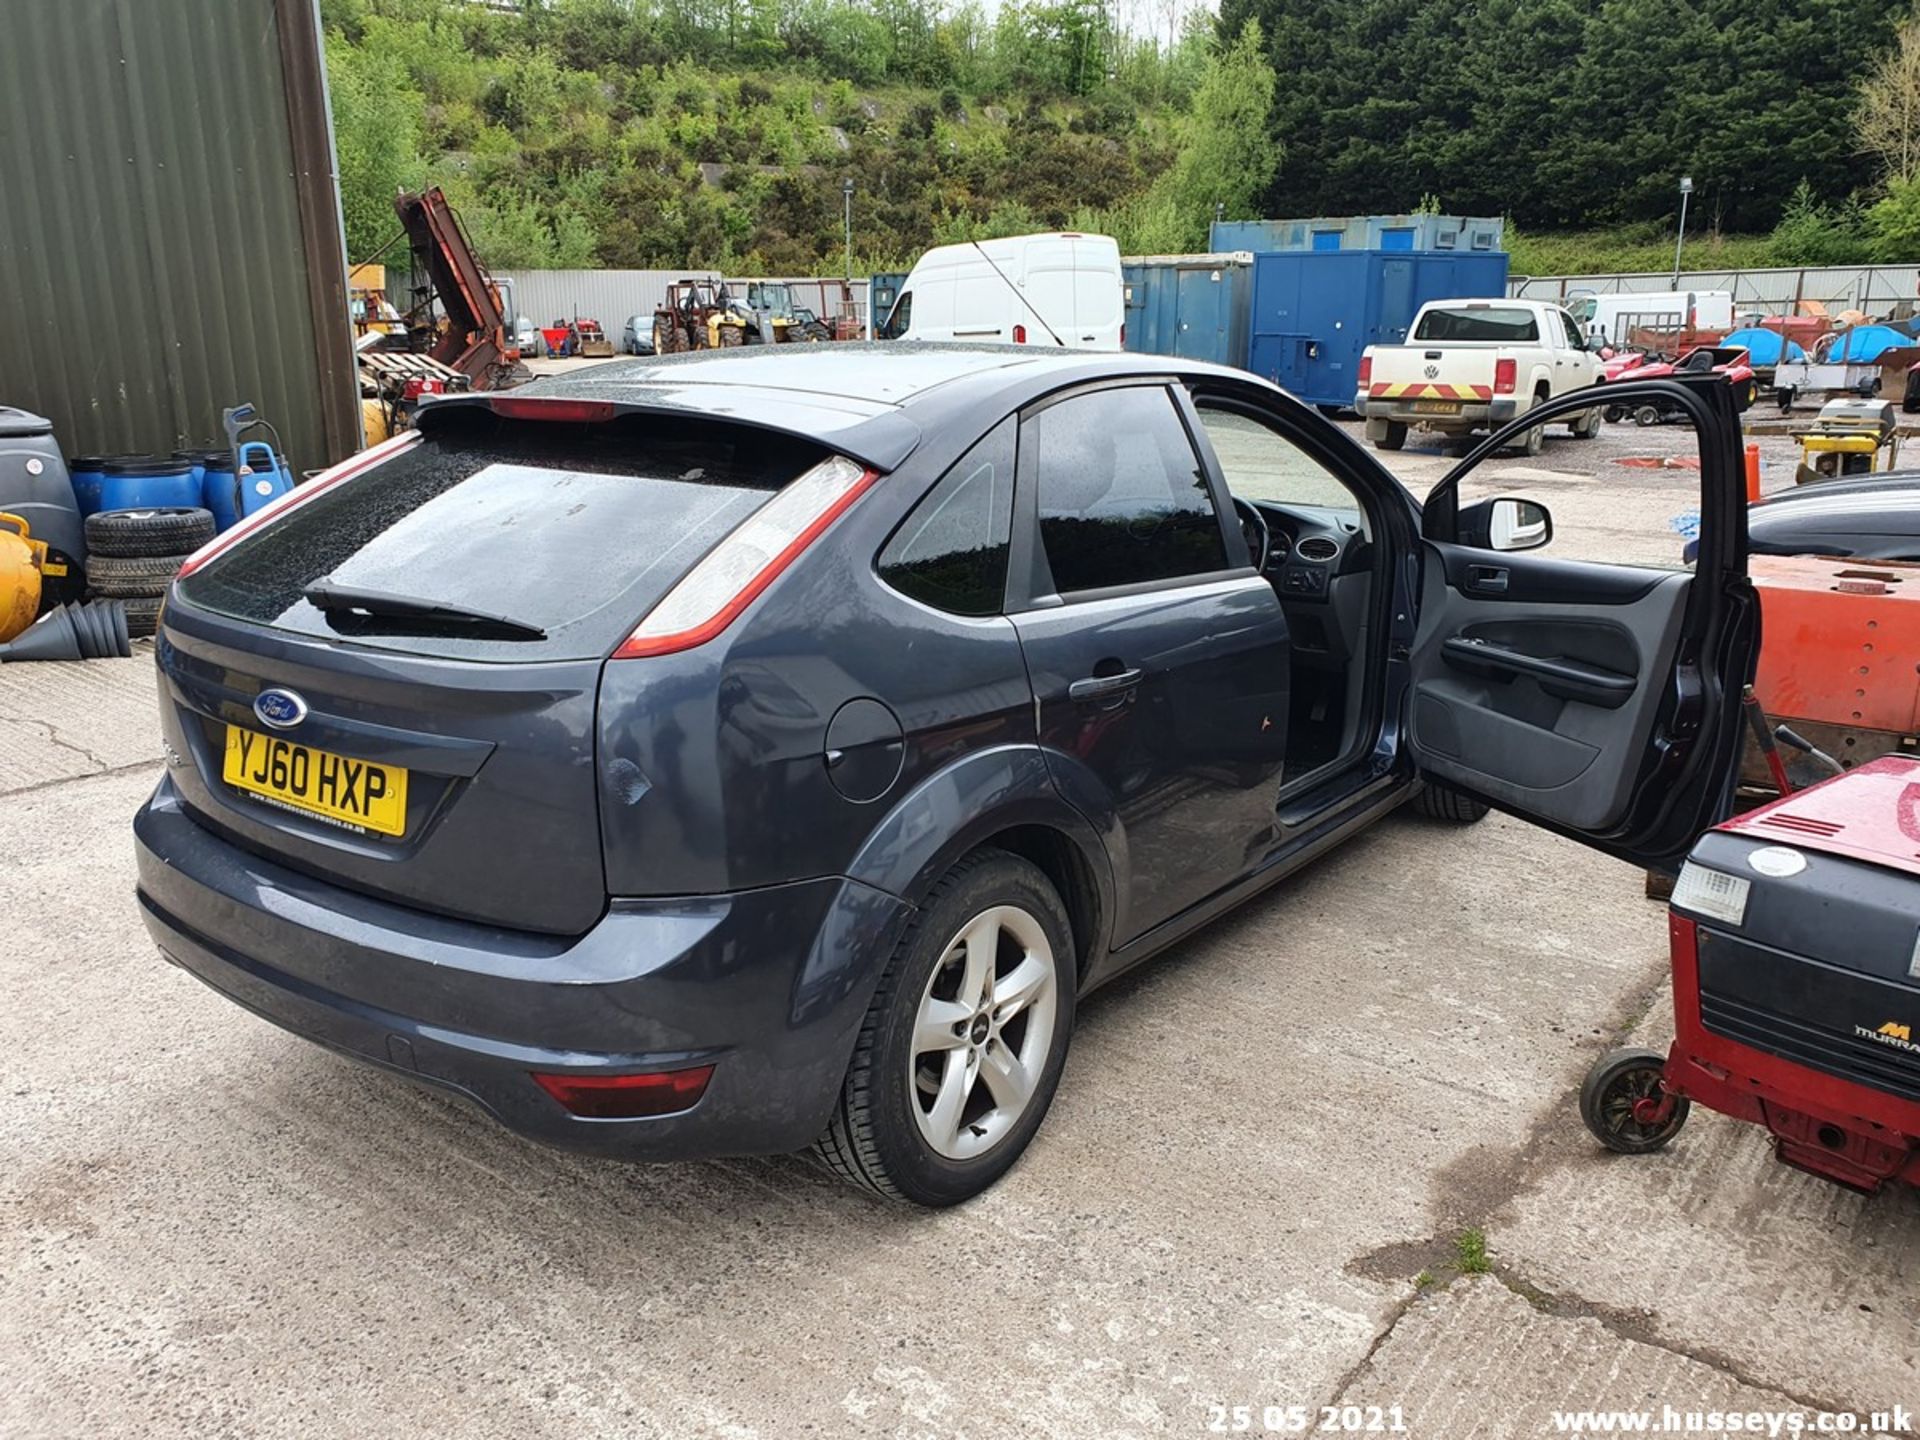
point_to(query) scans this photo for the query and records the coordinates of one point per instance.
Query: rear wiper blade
(333, 597)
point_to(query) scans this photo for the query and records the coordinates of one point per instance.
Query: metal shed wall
(171, 242)
(609, 296)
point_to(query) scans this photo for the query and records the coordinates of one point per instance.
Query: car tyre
(159, 531)
(889, 1132)
(1438, 803)
(1587, 427)
(1387, 434)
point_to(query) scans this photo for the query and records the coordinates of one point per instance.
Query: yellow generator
(21, 557)
(1849, 438)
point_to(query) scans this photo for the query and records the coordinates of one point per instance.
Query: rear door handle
(1487, 579)
(1103, 687)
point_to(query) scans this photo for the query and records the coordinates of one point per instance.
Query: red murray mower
(1796, 985)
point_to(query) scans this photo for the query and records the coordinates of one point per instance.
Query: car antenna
(1017, 295)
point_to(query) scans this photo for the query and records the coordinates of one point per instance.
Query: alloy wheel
(982, 1033)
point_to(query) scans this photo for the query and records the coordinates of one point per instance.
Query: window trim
(1030, 583)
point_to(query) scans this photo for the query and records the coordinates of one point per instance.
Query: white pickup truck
(1472, 365)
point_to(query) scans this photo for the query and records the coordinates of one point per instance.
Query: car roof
(870, 400)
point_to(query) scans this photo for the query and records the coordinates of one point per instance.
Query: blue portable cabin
(1315, 311)
(882, 290)
(1471, 233)
(1193, 306)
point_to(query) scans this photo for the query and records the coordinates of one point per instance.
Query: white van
(1024, 290)
(1610, 319)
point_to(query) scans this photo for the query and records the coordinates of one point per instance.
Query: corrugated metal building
(171, 239)
(609, 296)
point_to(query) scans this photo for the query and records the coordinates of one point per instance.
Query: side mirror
(1505, 523)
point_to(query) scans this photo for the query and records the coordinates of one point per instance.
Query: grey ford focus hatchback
(736, 753)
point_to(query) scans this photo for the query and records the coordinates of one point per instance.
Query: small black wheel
(1387, 434)
(1437, 802)
(962, 1046)
(1647, 415)
(1615, 1085)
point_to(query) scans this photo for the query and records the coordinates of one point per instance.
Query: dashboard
(1307, 547)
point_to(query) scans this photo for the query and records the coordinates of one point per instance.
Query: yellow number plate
(357, 793)
(1436, 407)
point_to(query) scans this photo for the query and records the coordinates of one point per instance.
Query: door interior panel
(1526, 673)
(1549, 580)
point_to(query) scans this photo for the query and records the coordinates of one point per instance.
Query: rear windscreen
(541, 540)
(1469, 323)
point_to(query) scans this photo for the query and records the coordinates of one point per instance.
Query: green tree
(376, 117)
(1228, 151)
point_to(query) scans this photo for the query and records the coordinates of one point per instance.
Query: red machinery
(1796, 985)
(476, 339)
(1730, 361)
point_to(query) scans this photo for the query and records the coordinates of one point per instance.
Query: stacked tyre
(133, 555)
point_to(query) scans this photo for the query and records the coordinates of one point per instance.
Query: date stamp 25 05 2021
(1305, 1419)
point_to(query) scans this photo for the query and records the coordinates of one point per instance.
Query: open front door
(1601, 701)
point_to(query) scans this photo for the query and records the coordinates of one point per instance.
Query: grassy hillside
(573, 135)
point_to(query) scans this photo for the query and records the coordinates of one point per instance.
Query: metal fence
(609, 296)
(612, 296)
(1876, 289)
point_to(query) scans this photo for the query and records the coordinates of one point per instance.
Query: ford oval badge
(282, 709)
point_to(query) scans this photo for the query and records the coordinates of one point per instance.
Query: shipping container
(884, 289)
(1314, 312)
(1193, 306)
(1475, 234)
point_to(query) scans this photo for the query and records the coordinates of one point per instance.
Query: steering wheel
(1253, 525)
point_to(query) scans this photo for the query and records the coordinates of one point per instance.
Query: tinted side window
(951, 551)
(1122, 497)
(899, 318)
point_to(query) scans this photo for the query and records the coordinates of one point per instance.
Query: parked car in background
(1061, 289)
(1876, 518)
(1474, 365)
(637, 337)
(810, 820)
(527, 338)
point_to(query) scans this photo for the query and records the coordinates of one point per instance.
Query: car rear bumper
(1470, 414)
(768, 986)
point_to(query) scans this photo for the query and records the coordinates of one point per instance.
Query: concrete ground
(1265, 1183)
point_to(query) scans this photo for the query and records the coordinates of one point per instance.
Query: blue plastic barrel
(270, 478)
(88, 473)
(220, 488)
(142, 482)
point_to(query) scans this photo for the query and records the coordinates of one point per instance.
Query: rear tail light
(300, 495)
(1366, 369)
(1019, 334)
(711, 596)
(1503, 377)
(1123, 334)
(627, 1097)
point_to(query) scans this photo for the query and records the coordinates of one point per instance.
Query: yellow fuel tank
(20, 559)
